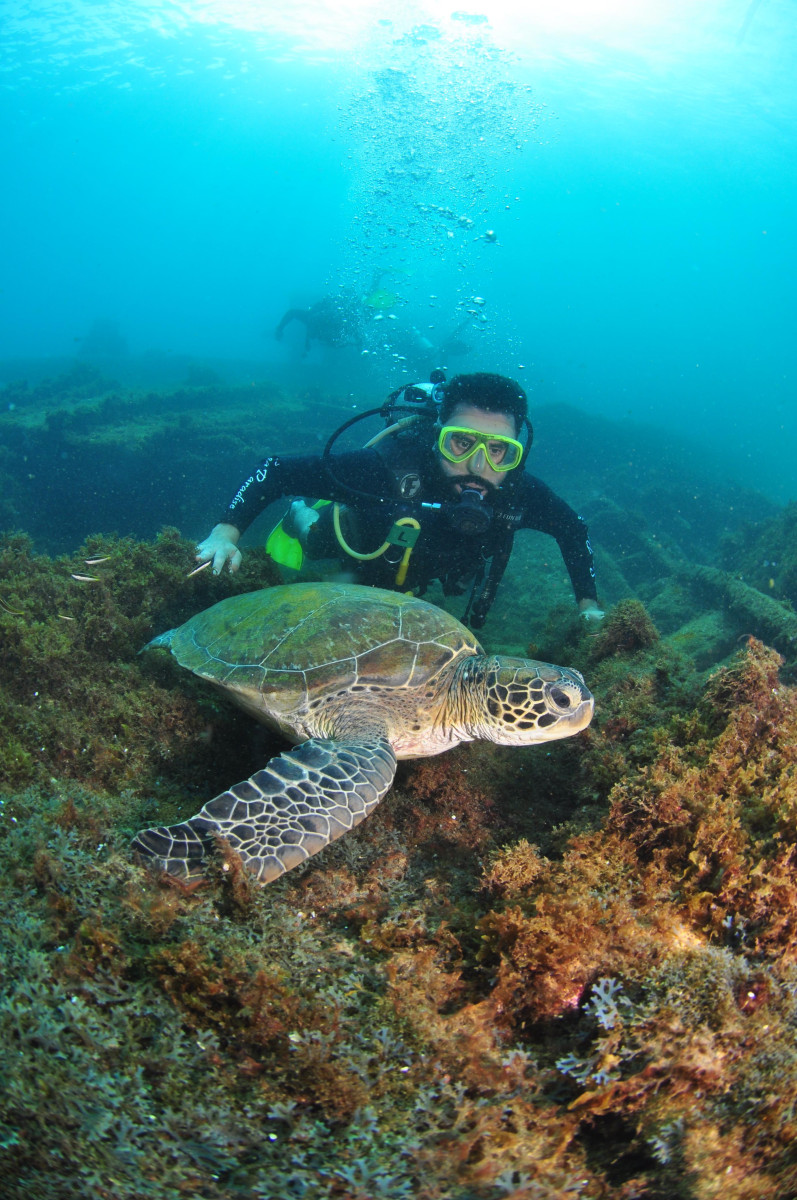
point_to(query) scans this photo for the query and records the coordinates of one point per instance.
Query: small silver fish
(201, 567)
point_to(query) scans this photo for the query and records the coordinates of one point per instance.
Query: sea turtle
(356, 677)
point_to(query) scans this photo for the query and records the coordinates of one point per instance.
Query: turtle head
(517, 701)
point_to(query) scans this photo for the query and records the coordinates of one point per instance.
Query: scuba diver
(341, 320)
(443, 486)
(334, 321)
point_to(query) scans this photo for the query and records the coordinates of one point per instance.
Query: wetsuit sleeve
(545, 511)
(306, 476)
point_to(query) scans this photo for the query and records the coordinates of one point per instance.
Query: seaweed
(584, 984)
(626, 629)
(77, 701)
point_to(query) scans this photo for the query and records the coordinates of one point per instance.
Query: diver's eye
(461, 443)
(497, 451)
(560, 698)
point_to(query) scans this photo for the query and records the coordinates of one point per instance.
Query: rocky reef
(566, 970)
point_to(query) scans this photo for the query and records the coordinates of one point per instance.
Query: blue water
(188, 171)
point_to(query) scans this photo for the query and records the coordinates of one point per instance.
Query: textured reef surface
(531, 973)
(562, 971)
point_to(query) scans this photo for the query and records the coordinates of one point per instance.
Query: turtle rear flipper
(178, 849)
(298, 804)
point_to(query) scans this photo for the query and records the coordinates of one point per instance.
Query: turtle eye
(560, 698)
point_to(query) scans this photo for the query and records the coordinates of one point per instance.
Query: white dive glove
(220, 547)
(299, 520)
(590, 612)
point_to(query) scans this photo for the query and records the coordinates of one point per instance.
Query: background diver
(446, 491)
(333, 321)
(341, 320)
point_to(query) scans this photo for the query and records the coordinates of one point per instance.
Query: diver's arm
(545, 511)
(276, 477)
(293, 314)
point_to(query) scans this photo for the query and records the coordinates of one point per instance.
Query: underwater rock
(765, 616)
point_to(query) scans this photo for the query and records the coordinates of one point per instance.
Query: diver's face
(476, 472)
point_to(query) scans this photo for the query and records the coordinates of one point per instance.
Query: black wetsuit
(335, 321)
(441, 552)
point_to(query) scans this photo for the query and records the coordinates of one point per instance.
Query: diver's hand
(220, 547)
(299, 520)
(591, 614)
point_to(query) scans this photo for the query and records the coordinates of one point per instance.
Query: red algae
(528, 974)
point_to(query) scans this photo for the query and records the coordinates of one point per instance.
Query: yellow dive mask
(458, 444)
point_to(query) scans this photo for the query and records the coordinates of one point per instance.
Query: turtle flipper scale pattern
(275, 820)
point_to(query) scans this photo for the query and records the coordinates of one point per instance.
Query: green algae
(77, 701)
(566, 970)
(531, 973)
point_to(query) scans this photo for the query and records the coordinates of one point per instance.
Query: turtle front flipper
(298, 804)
